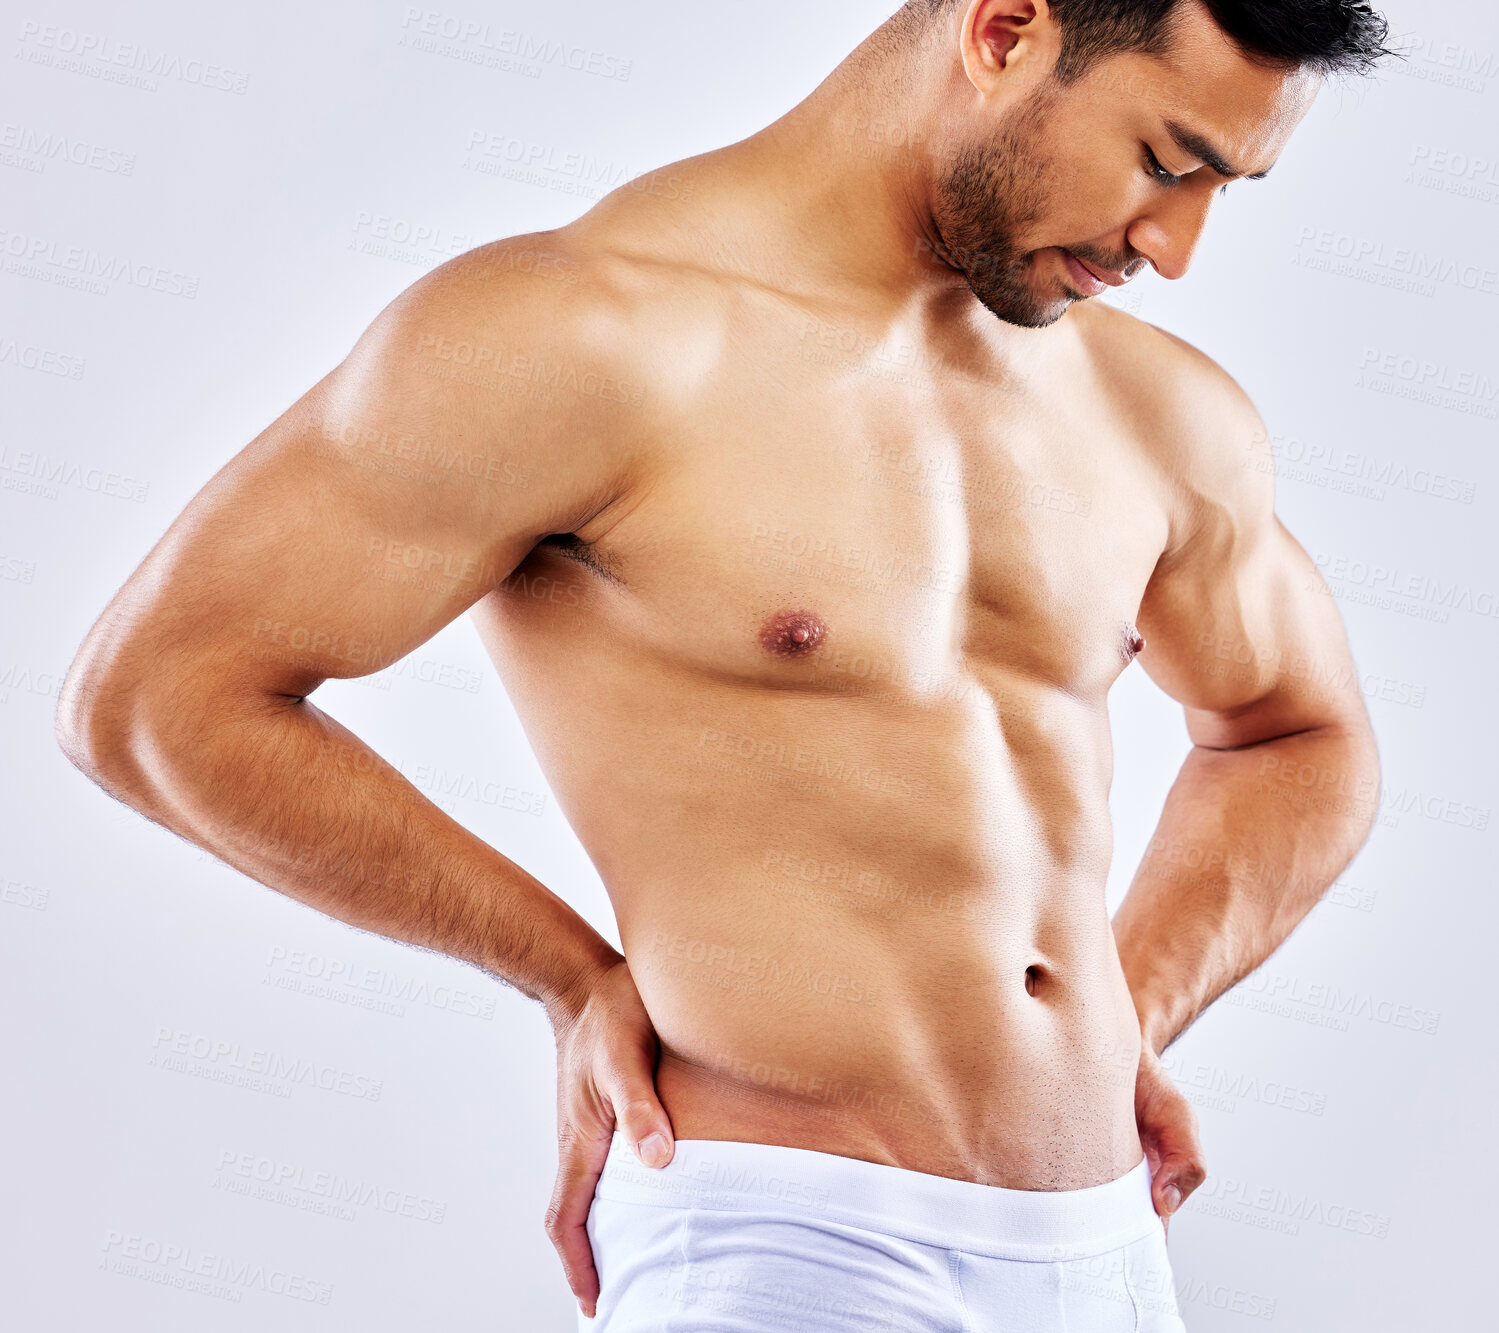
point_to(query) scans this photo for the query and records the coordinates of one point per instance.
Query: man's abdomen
(941, 1083)
(892, 1007)
(864, 917)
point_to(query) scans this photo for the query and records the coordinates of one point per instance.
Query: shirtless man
(809, 510)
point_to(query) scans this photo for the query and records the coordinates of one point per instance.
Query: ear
(1008, 46)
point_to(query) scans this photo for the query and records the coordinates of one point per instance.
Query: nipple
(1134, 643)
(792, 633)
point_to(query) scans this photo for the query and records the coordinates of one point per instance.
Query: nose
(1167, 233)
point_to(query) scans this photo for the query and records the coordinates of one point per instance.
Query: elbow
(1376, 781)
(1363, 761)
(99, 698)
(93, 723)
(78, 723)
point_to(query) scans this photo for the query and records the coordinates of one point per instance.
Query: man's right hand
(606, 1077)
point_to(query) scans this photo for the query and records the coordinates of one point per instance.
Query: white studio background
(284, 173)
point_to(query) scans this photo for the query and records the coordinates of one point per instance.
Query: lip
(1090, 279)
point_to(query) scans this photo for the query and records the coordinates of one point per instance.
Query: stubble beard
(989, 194)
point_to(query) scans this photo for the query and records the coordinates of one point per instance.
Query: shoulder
(557, 324)
(593, 307)
(523, 309)
(1195, 427)
(520, 358)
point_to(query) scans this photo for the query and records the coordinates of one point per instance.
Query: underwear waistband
(1036, 1225)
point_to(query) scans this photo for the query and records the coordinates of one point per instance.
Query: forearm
(1248, 842)
(283, 792)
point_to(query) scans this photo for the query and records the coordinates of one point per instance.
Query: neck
(851, 169)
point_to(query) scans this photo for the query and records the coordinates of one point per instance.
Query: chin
(1015, 301)
(1027, 312)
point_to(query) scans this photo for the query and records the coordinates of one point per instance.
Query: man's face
(1079, 176)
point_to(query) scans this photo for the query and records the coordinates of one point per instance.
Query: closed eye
(1156, 171)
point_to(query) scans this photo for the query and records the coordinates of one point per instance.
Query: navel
(792, 633)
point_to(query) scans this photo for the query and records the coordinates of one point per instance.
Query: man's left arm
(1281, 786)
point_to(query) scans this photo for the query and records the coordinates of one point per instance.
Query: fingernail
(653, 1149)
(1172, 1198)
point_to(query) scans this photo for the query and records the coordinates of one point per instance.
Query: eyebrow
(1191, 142)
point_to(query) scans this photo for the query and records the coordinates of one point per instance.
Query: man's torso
(824, 698)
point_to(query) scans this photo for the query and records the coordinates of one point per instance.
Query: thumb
(643, 1121)
(1168, 1132)
(1180, 1170)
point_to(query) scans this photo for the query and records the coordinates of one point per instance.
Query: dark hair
(1329, 36)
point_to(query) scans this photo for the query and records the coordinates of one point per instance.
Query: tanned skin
(809, 579)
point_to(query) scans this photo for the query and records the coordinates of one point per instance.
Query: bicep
(1240, 627)
(1251, 644)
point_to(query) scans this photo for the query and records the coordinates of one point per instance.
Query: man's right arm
(381, 506)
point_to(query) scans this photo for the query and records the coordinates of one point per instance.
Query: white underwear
(753, 1237)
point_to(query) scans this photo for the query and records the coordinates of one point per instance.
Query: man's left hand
(1168, 1133)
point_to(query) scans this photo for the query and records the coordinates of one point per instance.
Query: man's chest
(867, 531)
